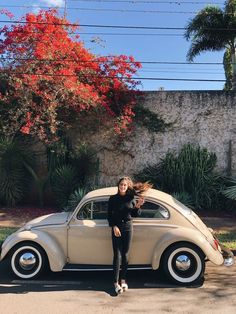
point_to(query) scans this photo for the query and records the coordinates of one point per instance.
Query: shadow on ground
(94, 281)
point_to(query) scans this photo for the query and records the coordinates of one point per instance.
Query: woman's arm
(136, 211)
(110, 219)
(110, 213)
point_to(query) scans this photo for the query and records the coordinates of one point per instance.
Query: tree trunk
(233, 58)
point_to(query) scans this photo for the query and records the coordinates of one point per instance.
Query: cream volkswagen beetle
(167, 235)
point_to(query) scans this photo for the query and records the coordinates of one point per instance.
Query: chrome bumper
(227, 255)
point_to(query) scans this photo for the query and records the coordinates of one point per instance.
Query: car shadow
(82, 281)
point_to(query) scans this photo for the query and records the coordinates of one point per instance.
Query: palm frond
(230, 192)
(210, 30)
(64, 181)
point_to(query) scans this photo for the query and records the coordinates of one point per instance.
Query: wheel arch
(53, 251)
(185, 235)
(182, 243)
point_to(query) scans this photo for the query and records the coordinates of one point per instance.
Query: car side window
(153, 210)
(94, 210)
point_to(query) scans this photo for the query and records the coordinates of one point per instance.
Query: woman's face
(123, 187)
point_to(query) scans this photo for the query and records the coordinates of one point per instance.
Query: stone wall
(207, 118)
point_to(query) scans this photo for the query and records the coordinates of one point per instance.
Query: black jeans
(121, 246)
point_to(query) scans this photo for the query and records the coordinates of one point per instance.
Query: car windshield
(182, 208)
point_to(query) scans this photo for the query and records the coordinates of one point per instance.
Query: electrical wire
(112, 26)
(110, 10)
(175, 71)
(117, 34)
(145, 1)
(98, 61)
(119, 77)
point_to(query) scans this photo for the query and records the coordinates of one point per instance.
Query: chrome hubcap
(183, 262)
(27, 261)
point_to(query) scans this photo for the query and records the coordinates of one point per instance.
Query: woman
(121, 208)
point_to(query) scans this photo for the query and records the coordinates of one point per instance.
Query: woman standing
(121, 208)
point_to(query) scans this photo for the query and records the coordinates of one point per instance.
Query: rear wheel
(184, 263)
(28, 261)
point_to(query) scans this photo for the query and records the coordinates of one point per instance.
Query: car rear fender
(185, 235)
(55, 254)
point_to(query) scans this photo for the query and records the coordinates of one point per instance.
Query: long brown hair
(137, 188)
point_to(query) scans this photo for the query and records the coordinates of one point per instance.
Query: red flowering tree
(48, 78)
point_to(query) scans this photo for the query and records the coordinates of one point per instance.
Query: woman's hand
(139, 202)
(117, 232)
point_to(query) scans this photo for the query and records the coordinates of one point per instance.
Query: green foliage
(230, 191)
(211, 30)
(84, 159)
(184, 198)
(58, 153)
(15, 156)
(227, 238)
(5, 232)
(67, 170)
(150, 120)
(71, 169)
(75, 198)
(189, 172)
(64, 181)
(228, 69)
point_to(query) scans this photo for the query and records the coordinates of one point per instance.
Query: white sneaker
(124, 286)
(118, 289)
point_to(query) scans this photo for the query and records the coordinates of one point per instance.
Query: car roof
(108, 191)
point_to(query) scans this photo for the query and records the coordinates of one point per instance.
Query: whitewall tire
(184, 263)
(28, 261)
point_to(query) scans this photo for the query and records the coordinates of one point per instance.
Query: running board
(82, 267)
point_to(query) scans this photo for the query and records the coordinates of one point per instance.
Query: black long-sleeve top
(121, 208)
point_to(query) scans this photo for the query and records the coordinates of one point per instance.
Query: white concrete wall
(207, 118)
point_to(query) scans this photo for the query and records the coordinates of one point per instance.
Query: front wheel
(28, 261)
(184, 263)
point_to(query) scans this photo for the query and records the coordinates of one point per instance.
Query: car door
(149, 227)
(89, 235)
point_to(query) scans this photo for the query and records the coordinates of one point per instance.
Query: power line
(112, 77)
(112, 26)
(145, 1)
(118, 34)
(92, 25)
(98, 61)
(109, 10)
(185, 72)
(130, 34)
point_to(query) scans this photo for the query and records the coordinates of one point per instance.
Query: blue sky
(144, 45)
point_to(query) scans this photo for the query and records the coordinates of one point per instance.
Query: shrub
(184, 198)
(230, 191)
(75, 198)
(64, 181)
(84, 159)
(72, 170)
(191, 172)
(15, 156)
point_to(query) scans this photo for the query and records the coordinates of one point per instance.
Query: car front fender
(185, 235)
(55, 254)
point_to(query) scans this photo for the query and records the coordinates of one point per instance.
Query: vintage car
(167, 236)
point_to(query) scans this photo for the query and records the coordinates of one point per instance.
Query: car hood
(46, 220)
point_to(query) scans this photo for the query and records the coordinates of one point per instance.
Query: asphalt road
(91, 292)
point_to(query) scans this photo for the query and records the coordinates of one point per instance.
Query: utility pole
(65, 9)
